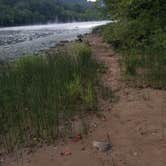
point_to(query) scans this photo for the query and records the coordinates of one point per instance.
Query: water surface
(23, 40)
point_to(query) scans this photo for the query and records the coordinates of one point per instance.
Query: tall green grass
(39, 95)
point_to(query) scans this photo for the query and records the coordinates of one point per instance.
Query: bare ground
(136, 124)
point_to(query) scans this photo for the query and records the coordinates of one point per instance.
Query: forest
(20, 12)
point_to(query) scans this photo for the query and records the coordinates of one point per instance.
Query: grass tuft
(39, 94)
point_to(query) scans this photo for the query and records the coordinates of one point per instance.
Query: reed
(39, 95)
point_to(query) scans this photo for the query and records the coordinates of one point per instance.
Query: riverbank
(135, 122)
(28, 40)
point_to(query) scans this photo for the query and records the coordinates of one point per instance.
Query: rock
(135, 154)
(77, 138)
(64, 41)
(1, 161)
(66, 152)
(80, 38)
(102, 146)
(94, 125)
(60, 44)
(83, 148)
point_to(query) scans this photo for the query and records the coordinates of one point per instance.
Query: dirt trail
(136, 124)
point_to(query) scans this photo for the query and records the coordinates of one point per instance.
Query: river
(27, 40)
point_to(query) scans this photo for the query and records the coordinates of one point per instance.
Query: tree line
(21, 12)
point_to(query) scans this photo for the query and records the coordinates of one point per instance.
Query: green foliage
(20, 12)
(139, 33)
(74, 88)
(39, 94)
(88, 95)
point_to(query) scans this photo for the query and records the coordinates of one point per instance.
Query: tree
(18, 12)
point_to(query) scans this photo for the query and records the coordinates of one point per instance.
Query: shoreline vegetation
(40, 94)
(139, 67)
(139, 37)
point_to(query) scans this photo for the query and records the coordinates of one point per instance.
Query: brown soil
(136, 123)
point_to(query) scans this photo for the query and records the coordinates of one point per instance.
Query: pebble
(135, 154)
(102, 146)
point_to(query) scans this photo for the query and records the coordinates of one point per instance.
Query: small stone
(66, 152)
(77, 138)
(103, 118)
(94, 125)
(135, 154)
(1, 161)
(102, 146)
(83, 148)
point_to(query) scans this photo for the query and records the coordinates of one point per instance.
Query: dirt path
(136, 124)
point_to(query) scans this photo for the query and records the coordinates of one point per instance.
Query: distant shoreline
(29, 40)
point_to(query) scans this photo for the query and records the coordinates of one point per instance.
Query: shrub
(139, 35)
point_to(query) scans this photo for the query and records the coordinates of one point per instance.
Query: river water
(25, 40)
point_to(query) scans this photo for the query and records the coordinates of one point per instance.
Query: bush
(139, 35)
